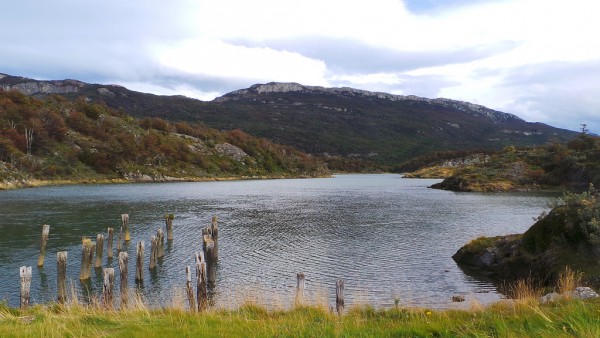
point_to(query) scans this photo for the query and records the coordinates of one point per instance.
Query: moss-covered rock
(567, 236)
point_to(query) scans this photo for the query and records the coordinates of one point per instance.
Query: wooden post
(123, 262)
(153, 252)
(169, 225)
(125, 222)
(25, 273)
(87, 253)
(139, 262)
(299, 288)
(209, 254)
(108, 286)
(120, 240)
(43, 243)
(201, 283)
(160, 237)
(215, 235)
(99, 249)
(189, 289)
(61, 280)
(109, 243)
(339, 296)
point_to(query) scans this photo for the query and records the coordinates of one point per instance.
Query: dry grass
(568, 280)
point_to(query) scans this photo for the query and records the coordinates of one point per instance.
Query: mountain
(357, 124)
(56, 140)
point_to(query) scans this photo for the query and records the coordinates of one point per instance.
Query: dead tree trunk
(107, 287)
(43, 243)
(25, 273)
(99, 250)
(209, 255)
(160, 237)
(299, 289)
(201, 283)
(109, 243)
(189, 289)
(153, 252)
(339, 296)
(87, 254)
(123, 262)
(139, 262)
(215, 235)
(120, 240)
(28, 139)
(169, 225)
(61, 280)
(125, 223)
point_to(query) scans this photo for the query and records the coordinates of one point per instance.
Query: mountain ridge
(284, 87)
(342, 122)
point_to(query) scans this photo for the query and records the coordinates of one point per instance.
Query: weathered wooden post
(108, 286)
(120, 240)
(43, 243)
(299, 288)
(201, 282)
(109, 243)
(160, 237)
(214, 227)
(169, 225)
(61, 280)
(123, 262)
(189, 289)
(153, 252)
(87, 254)
(339, 296)
(99, 250)
(139, 262)
(209, 255)
(125, 222)
(25, 273)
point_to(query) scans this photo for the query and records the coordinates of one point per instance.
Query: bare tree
(28, 139)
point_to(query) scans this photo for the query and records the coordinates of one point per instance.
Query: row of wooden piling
(205, 266)
(205, 270)
(88, 249)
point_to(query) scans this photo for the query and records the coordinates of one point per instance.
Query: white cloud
(464, 50)
(219, 59)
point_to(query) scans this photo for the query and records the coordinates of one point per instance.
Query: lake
(391, 239)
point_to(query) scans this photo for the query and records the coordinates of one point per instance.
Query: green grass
(523, 318)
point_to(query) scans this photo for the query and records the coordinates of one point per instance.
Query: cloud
(352, 56)
(558, 93)
(533, 58)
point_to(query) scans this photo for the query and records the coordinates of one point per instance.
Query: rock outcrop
(569, 236)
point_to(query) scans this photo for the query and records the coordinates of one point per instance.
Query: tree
(28, 139)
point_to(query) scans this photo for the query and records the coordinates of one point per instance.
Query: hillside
(573, 165)
(360, 125)
(75, 141)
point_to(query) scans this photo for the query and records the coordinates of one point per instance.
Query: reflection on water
(387, 237)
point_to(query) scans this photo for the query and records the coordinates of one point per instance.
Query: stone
(549, 298)
(458, 299)
(583, 292)
(232, 151)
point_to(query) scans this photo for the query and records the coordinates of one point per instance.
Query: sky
(537, 59)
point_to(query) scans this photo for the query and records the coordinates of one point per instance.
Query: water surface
(391, 239)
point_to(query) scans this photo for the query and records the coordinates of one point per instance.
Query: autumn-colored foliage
(79, 140)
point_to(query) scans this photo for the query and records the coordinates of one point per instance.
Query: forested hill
(388, 129)
(57, 139)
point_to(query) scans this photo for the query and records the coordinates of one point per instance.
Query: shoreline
(37, 183)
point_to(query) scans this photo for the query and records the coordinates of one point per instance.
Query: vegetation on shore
(525, 317)
(573, 166)
(567, 236)
(56, 140)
